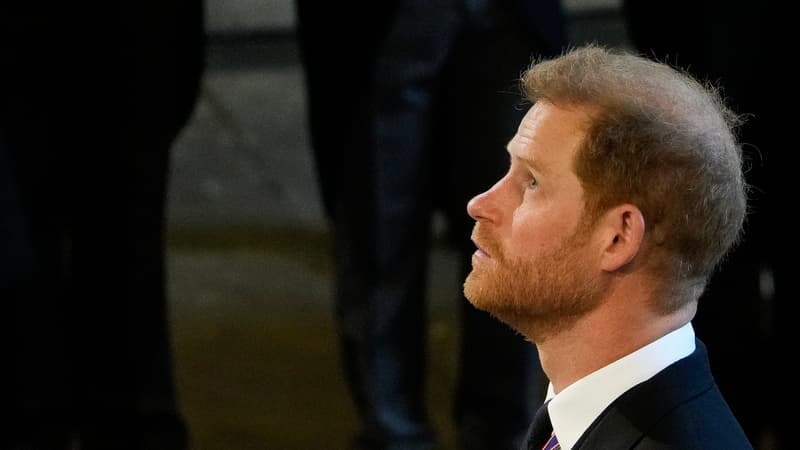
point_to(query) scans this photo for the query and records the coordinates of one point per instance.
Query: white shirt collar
(577, 406)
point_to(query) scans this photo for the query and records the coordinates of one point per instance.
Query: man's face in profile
(534, 260)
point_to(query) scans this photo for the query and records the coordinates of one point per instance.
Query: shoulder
(681, 407)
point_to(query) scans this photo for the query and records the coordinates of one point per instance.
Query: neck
(610, 332)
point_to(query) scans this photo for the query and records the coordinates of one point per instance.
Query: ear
(623, 233)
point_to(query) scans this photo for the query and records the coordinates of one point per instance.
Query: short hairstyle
(656, 138)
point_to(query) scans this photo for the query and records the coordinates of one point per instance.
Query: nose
(483, 207)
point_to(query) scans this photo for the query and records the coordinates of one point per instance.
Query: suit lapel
(625, 421)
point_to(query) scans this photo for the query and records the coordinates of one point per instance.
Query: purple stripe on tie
(552, 444)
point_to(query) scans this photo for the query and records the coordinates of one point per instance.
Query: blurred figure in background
(747, 305)
(410, 108)
(91, 101)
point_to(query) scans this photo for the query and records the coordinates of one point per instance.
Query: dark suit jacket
(679, 408)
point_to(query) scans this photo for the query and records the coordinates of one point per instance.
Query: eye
(531, 182)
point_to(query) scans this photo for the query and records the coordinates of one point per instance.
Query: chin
(471, 288)
(477, 291)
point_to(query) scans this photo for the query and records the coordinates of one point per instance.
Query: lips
(480, 252)
(484, 250)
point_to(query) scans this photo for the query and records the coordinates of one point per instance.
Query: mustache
(486, 242)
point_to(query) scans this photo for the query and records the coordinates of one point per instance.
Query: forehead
(548, 136)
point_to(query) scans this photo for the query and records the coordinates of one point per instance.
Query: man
(625, 191)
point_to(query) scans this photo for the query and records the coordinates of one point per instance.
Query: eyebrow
(530, 163)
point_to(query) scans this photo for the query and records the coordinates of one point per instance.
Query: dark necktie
(540, 434)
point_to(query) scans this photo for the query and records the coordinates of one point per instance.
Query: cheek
(537, 233)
